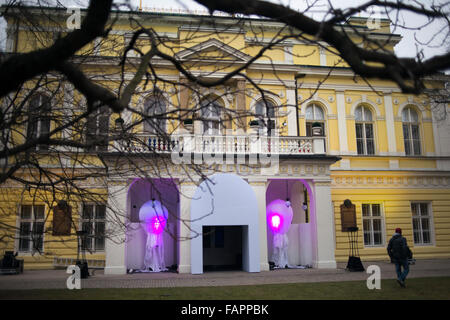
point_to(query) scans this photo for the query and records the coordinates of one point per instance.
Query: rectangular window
(411, 137)
(365, 138)
(421, 219)
(31, 228)
(372, 224)
(97, 130)
(415, 139)
(38, 119)
(370, 147)
(93, 223)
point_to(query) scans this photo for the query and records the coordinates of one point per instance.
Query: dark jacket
(398, 249)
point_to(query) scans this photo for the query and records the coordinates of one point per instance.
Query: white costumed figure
(279, 219)
(153, 216)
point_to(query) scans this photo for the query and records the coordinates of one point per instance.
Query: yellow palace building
(332, 136)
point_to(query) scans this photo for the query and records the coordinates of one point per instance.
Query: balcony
(220, 144)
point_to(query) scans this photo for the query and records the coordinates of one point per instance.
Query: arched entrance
(301, 235)
(225, 201)
(141, 191)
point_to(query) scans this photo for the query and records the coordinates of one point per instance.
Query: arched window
(98, 129)
(265, 113)
(314, 113)
(155, 111)
(211, 110)
(411, 134)
(39, 118)
(364, 130)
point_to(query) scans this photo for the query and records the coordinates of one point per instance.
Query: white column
(291, 112)
(69, 106)
(322, 57)
(187, 190)
(10, 34)
(342, 122)
(390, 126)
(259, 187)
(115, 228)
(323, 221)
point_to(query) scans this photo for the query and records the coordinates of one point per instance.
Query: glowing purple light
(279, 216)
(157, 225)
(275, 222)
(154, 216)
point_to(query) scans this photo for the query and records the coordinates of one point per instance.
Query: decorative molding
(366, 102)
(322, 183)
(381, 181)
(418, 106)
(319, 100)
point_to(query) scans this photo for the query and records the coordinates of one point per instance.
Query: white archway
(225, 200)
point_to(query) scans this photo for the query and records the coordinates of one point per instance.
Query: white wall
(230, 201)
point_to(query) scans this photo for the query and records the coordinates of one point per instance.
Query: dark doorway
(222, 248)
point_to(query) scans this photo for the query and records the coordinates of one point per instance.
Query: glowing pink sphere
(154, 216)
(157, 225)
(279, 216)
(275, 222)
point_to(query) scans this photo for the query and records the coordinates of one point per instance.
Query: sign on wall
(348, 215)
(62, 219)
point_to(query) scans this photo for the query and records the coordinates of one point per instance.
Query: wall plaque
(348, 215)
(62, 219)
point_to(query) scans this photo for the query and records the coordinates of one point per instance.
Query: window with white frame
(372, 224)
(97, 127)
(411, 131)
(265, 114)
(364, 130)
(314, 114)
(93, 219)
(211, 113)
(31, 228)
(38, 119)
(155, 112)
(421, 219)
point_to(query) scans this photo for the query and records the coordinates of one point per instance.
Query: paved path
(56, 279)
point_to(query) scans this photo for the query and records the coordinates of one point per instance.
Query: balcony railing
(245, 144)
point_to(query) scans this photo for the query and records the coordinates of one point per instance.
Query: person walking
(399, 253)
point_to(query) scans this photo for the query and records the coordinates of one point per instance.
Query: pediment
(213, 49)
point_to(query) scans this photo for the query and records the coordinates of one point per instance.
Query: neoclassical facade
(312, 145)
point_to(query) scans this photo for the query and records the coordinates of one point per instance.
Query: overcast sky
(408, 47)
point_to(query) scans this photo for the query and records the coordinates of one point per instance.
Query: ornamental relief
(391, 182)
(269, 171)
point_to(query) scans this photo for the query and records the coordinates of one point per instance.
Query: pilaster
(259, 186)
(115, 227)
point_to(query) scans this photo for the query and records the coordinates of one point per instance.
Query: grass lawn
(419, 288)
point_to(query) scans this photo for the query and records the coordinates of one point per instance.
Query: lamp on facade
(317, 129)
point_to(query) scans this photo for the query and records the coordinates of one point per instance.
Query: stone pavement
(56, 279)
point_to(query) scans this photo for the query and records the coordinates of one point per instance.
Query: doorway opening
(222, 248)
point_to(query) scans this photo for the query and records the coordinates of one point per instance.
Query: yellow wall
(395, 206)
